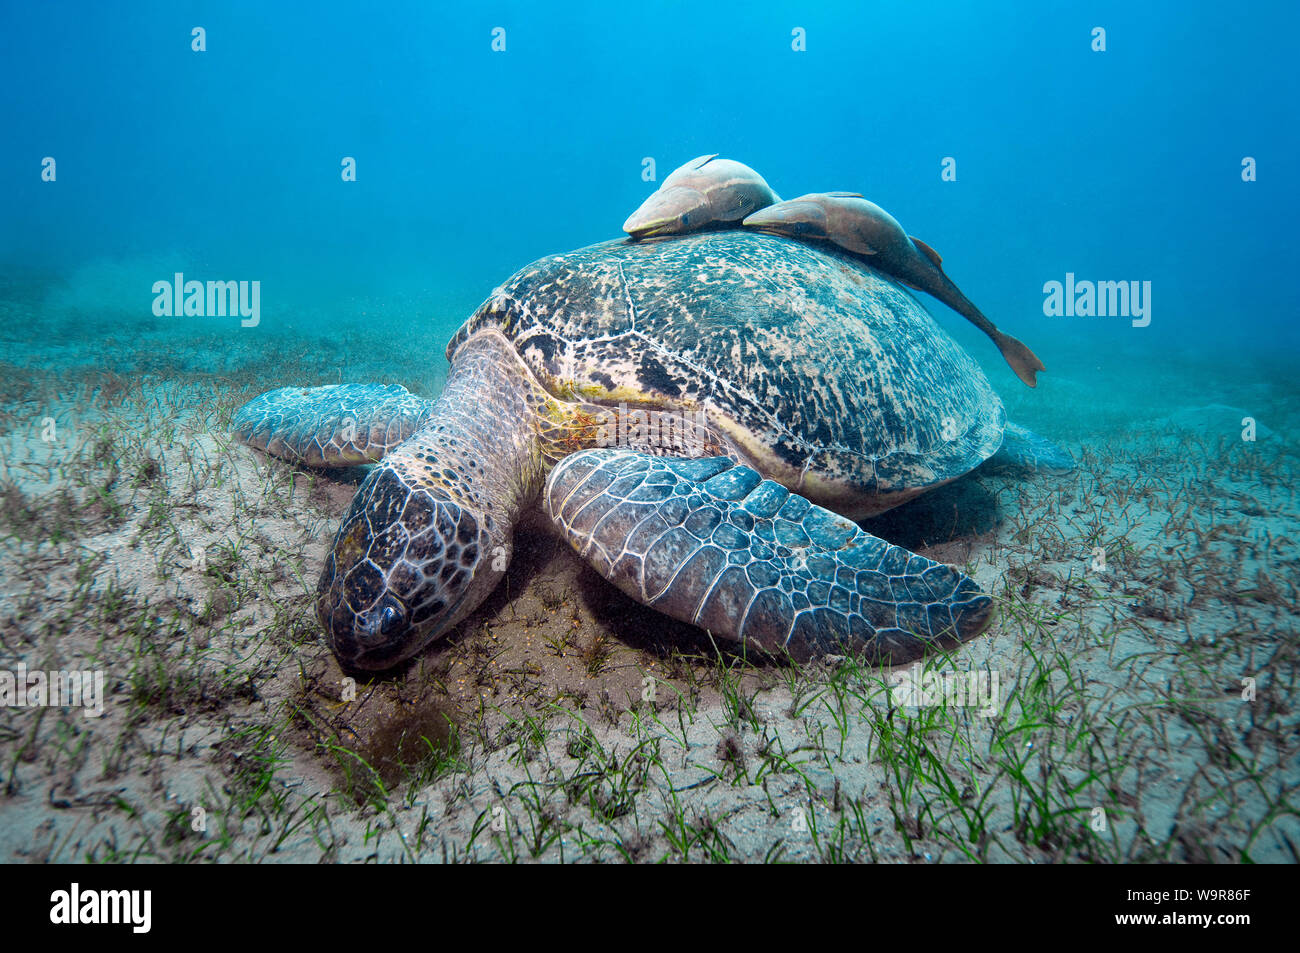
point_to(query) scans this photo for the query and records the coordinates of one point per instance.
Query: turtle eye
(391, 619)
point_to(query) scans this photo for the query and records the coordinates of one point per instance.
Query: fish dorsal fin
(845, 195)
(929, 252)
(702, 161)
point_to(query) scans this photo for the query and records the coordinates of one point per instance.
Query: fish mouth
(777, 229)
(643, 229)
(769, 219)
(667, 212)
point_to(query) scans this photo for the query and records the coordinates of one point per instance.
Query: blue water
(1170, 159)
(1117, 165)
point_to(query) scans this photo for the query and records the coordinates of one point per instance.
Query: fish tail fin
(1022, 360)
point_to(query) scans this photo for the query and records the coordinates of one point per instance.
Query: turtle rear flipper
(712, 543)
(340, 425)
(1025, 452)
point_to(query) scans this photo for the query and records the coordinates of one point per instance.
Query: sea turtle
(701, 418)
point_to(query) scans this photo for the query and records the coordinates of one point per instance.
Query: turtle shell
(827, 375)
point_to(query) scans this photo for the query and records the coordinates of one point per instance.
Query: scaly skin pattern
(429, 533)
(714, 544)
(415, 552)
(334, 426)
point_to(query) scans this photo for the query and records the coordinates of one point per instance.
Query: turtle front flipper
(712, 543)
(341, 425)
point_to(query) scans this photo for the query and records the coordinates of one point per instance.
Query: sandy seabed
(1143, 649)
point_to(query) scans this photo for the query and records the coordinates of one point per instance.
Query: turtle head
(430, 531)
(403, 569)
(669, 211)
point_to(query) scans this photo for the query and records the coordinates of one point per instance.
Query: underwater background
(378, 171)
(225, 164)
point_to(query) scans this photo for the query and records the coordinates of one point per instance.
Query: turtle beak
(667, 212)
(371, 639)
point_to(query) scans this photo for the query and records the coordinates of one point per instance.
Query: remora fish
(704, 191)
(862, 227)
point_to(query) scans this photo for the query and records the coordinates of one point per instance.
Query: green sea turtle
(864, 228)
(700, 418)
